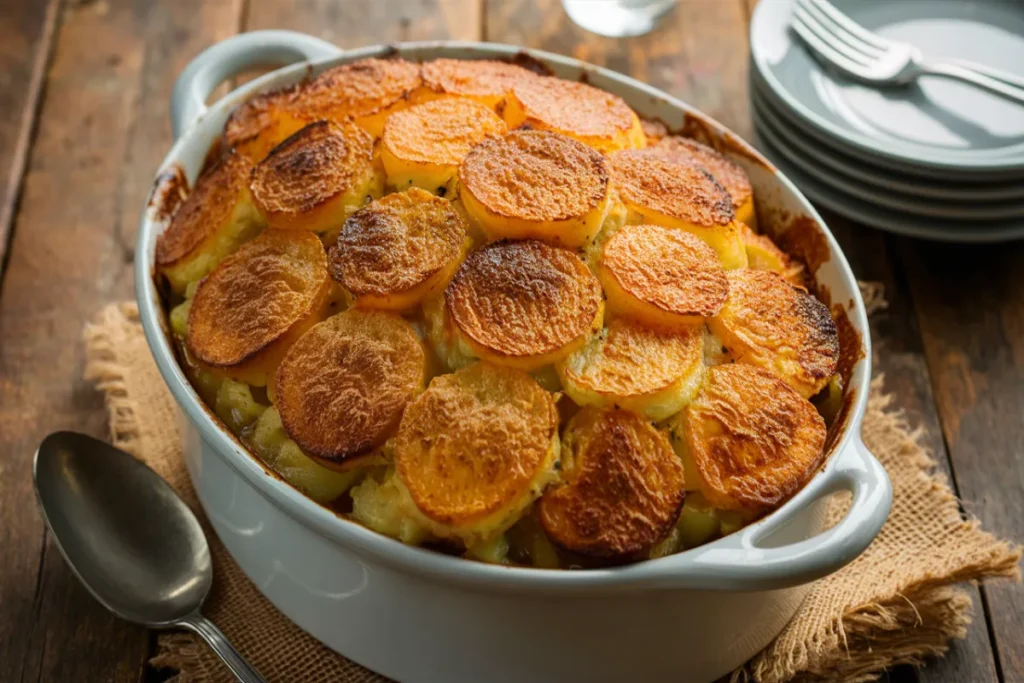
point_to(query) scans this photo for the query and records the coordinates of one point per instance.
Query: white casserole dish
(420, 616)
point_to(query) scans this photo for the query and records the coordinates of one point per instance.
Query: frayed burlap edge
(103, 338)
(915, 622)
(907, 625)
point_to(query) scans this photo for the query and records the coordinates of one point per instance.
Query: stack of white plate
(939, 159)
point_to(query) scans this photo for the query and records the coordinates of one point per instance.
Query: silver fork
(868, 57)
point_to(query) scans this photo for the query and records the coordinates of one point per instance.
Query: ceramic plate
(899, 222)
(838, 160)
(878, 188)
(936, 123)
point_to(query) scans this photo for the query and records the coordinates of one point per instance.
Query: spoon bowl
(128, 537)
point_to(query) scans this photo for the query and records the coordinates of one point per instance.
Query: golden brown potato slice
(678, 195)
(487, 82)
(763, 254)
(313, 180)
(535, 184)
(424, 144)
(628, 365)
(214, 219)
(343, 386)
(661, 276)
(623, 487)
(258, 125)
(523, 304)
(366, 91)
(727, 172)
(475, 450)
(398, 250)
(769, 323)
(256, 303)
(749, 441)
(592, 116)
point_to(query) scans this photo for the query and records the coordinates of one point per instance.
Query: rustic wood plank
(969, 302)
(898, 353)
(26, 34)
(358, 24)
(99, 135)
(697, 53)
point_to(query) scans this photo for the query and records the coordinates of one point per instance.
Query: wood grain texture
(26, 34)
(358, 24)
(969, 302)
(951, 343)
(101, 129)
(898, 353)
(697, 53)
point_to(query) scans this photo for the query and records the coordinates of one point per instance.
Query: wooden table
(84, 86)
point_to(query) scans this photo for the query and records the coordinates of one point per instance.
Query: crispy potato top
(475, 442)
(672, 270)
(313, 166)
(772, 324)
(255, 296)
(580, 283)
(358, 89)
(535, 175)
(397, 243)
(728, 173)
(343, 386)
(485, 81)
(208, 207)
(751, 438)
(628, 359)
(686, 192)
(523, 298)
(575, 109)
(440, 131)
(256, 115)
(623, 486)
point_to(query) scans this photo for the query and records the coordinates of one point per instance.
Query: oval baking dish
(418, 615)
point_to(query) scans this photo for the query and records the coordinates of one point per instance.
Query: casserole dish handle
(232, 56)
(751, 559)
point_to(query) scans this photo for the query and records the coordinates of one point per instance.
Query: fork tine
(819, 41)
(869, 37)
(837, 30)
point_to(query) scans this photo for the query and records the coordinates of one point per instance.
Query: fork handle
(960, 73)
(990, 71)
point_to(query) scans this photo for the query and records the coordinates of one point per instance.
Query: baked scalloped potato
(535, 185)
(622, 487)
(497, 314)
(398, 250)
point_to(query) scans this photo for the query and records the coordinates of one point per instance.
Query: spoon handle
(219, 643)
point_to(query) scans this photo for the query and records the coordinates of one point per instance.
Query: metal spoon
(125, 533)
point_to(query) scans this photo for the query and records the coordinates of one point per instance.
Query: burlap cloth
(897, 603)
